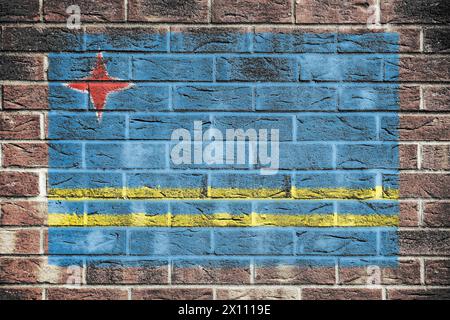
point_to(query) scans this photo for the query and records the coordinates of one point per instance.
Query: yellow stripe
(224, 194)
(222, 220)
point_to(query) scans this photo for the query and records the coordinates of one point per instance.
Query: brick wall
(31, 74)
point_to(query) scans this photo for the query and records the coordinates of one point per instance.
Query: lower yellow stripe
(223, 220)
(223, 193)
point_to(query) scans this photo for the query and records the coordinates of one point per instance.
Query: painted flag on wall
(115, 189)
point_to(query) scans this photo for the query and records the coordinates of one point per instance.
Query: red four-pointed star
(99, 85)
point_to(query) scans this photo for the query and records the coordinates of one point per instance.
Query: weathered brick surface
(298, 43)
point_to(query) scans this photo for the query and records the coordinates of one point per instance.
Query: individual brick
(336, 127)
(213, 271)
(409, 214)
(25, 97)
(370, 97)
(19, 184)
(233, 11)
(418, 294)
(424, 242)
(172, 294)
(436, 214)
(19, 126)
(331, 11)
(415, 11)
(24, 241)
(25, 155)
(151, 39)
(41, 39)
(408, 156)
(266, 69)
(19, 11)
(437, 40)
(54, 293)
(426, 185)
(436, 98)
(424, 128)
(210, 39)
(65, 155)
(23, 213)
(419, 68)
(301, 156)
(21, 67)
(294, 271)
(120, 271)
(409, 97)
(256, 294)
(91, 10)
(367, 156)
(436, 272)
(407, 272)
(436, 157)
(190, 11)
(11, 293)
(341, 294)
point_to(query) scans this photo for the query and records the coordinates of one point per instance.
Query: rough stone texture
(91, 10)
(172, 294)
(229, 11)
(190, 11)
(25, 97)
(257, 294)
(437, 214)
(436, 98)
(86, 294)
(19, 11)
(340, 294)
(25, 155)
(23, 213)
(415, 11)
(436, 157)
(418, 294)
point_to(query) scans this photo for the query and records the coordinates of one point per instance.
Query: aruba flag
(117, 197)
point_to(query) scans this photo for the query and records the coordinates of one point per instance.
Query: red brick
(437, 272)
(172, 294)
(294, 275)
(409, 214)
(256, 294)
(24, 241)
(126, 275)
(23, 213)
(436, 98)
(86, 294)
(406, 273)
(20, 293)
(415, 11)
(26, 155)
(424, 185)
(424, 128)
(418, 294)
(425, 68)
(408, 156)
(270, 11)
(19, 11)
(437, 214)
(91, 10)
(25, 97)
(436, 157)
(19, 184)
(19, 126)
(334, 11)
(424, 242)
(340, 294)
(189, 11)
(204, 273)
(20, 67)
(409, 97)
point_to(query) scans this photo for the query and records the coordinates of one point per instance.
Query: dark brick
(20, 293)
(437, 214)
(172, 294)
(26, 155)
(418, 294)
(436, 98)
(436, 157)
(189, 11)
(86, 294)
(270, 11)
(23, 213)
(14, 67)
(424, 185)
(19, 184)
(408, 156)
(340, 294)
(409, 97)
(333, 11)
(91, 10)
(41, 39)
(424, 68)
(415, 11)
(19, 10)
(19, 126)
(437, 272)
(424, 242)
(424, 128)
(436, 40)
(25, 97)
(409, 214)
